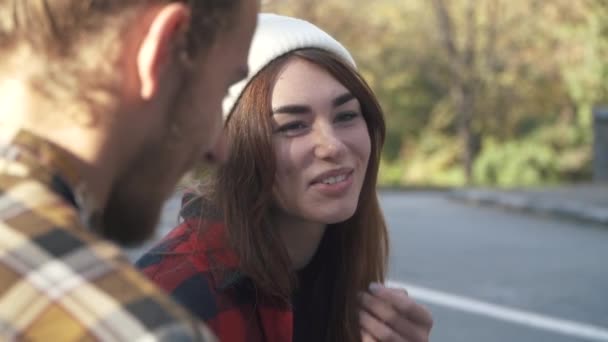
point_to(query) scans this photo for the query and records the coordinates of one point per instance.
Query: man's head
(71, 45)
(145, 78)
(195, 122)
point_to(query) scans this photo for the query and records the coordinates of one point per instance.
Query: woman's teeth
(334, 180)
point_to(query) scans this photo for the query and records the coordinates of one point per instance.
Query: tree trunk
(463, 76)
(463, 99)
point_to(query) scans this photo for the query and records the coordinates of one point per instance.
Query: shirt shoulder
(58, 279)
(194, 248)
(194, 264)
(190, 264)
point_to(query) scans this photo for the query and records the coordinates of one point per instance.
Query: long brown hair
(242, 188)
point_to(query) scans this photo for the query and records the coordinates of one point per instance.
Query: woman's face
(321, 144)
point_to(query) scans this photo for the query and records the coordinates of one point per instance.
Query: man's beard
(134, 205)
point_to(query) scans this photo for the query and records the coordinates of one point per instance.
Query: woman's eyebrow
(291, 109)
(303, 109)
(342, 99)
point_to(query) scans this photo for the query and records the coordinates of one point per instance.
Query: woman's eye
(346, 116)
(291, 127)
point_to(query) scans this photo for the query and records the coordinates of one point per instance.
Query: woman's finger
(403, 303)
(397, 321)
(377, 329)
(366, 337)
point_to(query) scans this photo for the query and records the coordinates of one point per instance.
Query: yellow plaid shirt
(58, 280)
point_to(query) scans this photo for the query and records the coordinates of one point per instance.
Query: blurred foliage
(505, 86)
(548, 155)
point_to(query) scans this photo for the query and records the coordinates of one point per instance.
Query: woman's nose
(327, 143)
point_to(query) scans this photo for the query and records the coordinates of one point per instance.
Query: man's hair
(72, 40)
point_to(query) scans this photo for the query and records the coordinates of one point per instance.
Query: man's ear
(165, 33)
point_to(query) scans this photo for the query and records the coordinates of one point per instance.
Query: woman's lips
(334, 185)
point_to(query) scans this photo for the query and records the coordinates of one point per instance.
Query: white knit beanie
(276, 36)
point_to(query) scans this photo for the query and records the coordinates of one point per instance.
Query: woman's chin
(337, 216)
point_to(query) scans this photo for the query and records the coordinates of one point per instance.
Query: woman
(286, 241)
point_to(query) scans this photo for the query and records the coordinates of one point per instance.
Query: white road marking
(530, 319)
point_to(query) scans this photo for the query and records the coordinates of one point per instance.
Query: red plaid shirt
(200, 272)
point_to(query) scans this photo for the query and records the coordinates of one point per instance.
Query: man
(105, 105)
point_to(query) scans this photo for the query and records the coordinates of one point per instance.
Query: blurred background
(487, 92)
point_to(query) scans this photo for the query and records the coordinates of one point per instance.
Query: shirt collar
(213, 243)
(53, 166)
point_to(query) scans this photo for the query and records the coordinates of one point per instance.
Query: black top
(312, 299)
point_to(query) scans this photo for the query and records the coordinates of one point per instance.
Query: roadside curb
(557, 207)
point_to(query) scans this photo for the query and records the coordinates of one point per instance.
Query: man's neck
(95, 163)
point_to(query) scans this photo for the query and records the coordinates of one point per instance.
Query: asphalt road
(554, 269)
(494, 275)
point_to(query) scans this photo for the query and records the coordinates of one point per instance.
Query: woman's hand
(389, 314)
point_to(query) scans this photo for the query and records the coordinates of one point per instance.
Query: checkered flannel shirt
(201, 272)
(59, 281)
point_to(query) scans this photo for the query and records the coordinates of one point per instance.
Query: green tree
(463, 81)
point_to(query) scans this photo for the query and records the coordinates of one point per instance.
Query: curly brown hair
(71, 46)
(59, 26)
